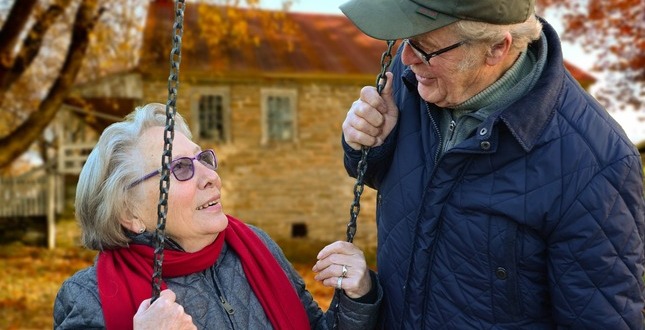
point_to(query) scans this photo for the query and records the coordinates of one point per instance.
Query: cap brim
(393, 19)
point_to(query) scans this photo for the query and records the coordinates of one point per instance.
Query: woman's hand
(343, 264)
(164, 313)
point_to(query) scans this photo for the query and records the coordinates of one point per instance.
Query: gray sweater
(78, 306)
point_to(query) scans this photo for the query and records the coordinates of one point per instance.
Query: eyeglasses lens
(207, 158)
(183, 169)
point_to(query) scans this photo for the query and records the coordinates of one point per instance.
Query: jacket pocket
(506, 296)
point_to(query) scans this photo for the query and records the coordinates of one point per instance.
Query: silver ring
(339, 284)
(344, 271)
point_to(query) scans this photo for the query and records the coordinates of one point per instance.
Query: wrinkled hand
(371, 118)
(329, 267)
(164, 313)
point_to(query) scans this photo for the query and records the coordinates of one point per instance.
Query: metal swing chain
(381, 79)
(166, 158)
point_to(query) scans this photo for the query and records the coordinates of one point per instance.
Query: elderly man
(507, 196)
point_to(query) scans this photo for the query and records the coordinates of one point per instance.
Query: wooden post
(51, 209)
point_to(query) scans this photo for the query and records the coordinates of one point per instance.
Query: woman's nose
(207, 177)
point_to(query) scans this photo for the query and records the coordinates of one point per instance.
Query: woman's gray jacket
(218, 298)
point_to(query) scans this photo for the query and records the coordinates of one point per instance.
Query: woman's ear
(132, 223)
(499, 51)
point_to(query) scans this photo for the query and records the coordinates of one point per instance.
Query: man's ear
(499, 51)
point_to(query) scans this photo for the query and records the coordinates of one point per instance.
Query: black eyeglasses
(425, 57)
(183, 168)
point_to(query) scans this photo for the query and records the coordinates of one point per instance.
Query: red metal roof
(583, 77)
(319, 44)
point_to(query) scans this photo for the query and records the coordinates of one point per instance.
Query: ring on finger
(339, 284)
(344, 274)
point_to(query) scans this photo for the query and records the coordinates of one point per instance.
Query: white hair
(102, 194)
(490, 34)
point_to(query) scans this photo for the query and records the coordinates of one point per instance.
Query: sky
(633, 122)
(315, 6)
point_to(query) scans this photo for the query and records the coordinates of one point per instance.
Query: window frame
(224, 93)
(291, 94)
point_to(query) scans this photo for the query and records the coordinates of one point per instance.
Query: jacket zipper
(436, 162)
(436, 128)
(225, 304)
(228, 307)
(451, 128)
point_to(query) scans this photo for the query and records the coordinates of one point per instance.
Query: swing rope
(166, 158)
(355, 208)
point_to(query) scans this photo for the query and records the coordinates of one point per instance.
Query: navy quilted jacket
(534, 222)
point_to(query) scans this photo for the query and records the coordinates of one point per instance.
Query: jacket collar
(527, 118)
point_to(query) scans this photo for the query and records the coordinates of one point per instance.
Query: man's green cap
(399, 19)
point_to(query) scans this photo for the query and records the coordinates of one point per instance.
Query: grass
(32, 275)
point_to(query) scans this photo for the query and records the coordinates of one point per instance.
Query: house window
(211, 117)
(279, 115)
(298, 230)
(211, 113)
(280, 118)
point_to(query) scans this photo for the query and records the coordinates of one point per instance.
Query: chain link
(169, 134)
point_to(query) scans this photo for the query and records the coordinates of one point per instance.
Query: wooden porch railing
(30, 195)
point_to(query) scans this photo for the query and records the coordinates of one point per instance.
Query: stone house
(272, 113)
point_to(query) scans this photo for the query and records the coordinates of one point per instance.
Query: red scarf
(125, 275)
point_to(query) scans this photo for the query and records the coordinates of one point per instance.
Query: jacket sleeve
(596, 252)
(77, 305)
(353, 314)
(378, 160)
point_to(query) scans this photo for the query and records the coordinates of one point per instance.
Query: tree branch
(32, 43)
(29, 131)
(15, 23)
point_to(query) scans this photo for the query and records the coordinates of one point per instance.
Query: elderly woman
(217, 273)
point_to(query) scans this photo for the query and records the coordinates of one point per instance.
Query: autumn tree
(614, 29)
(44, 45)
(48, 46)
